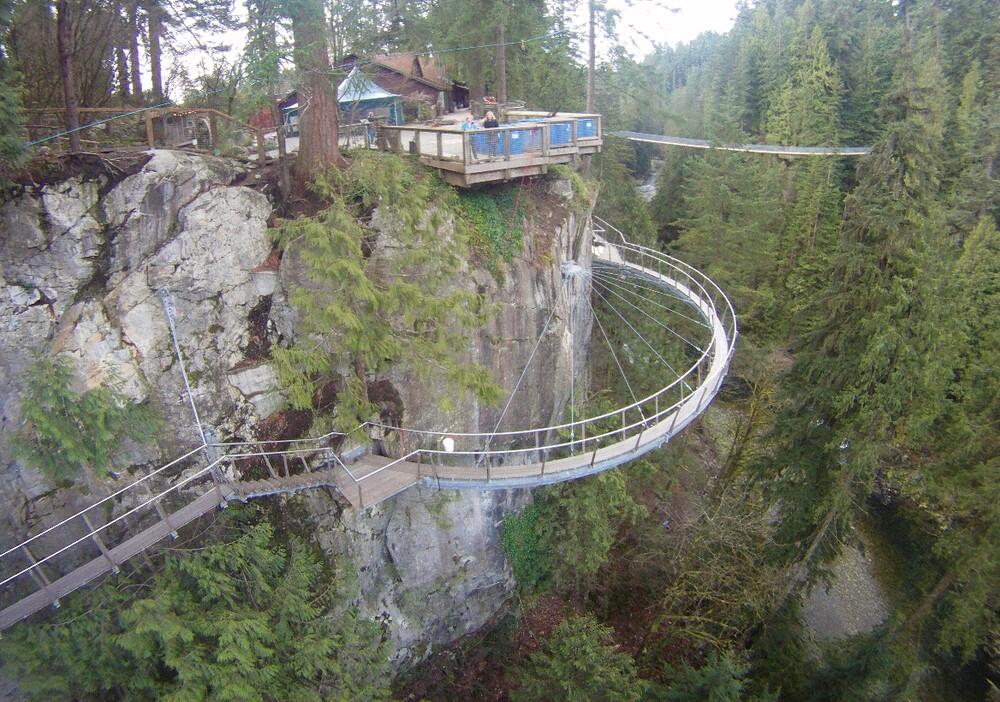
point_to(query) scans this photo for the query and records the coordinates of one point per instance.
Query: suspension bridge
(637, 285)
(774, 149)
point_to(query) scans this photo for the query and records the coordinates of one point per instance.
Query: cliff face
(83, 263)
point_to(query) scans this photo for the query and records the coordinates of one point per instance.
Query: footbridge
(775, 149)
(634, 286)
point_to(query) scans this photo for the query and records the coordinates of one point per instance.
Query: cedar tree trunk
(66, 69)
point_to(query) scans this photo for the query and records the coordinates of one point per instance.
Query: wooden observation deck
(526, 146)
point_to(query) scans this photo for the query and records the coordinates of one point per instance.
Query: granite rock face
(430, 564)
(82, 266)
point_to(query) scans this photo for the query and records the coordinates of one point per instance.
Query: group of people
(490, 122)
(492, 142)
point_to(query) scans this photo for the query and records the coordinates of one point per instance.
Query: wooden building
(417, 78)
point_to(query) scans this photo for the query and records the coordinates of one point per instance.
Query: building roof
(418, 67)
(357, 87)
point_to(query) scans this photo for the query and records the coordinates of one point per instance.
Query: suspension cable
(642, 338)
(622, 283)
(654, 319)
(621, 370)
(517, 385)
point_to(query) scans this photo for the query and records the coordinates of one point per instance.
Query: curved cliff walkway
(746, 148)
(80, 547)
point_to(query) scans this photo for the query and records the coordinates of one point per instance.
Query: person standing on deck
(493, 139)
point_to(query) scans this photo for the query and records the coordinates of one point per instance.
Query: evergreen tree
(862, 383)
(805, 112)
(246, 620)
(578, 663)
(11, 140)
(360, 314)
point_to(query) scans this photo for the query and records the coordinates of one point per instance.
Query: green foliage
(367, 311)
(577, 524)
(247, 620)
(496, 219)
(67, 431)
(720, 679)
(618, 200)
(582, 195)
(521, 544)
(11, 136)
(579, 663)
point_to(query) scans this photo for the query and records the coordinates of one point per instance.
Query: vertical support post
(546, 141)
(440, 145)
(270, 467)
(164, 517)
(505, 135)
(150, 132)
(284, 461)
(100, 544)
(623, 424)
(465, 147)
(261, 148)
(213, 130)
(213, 455)
(38, 575)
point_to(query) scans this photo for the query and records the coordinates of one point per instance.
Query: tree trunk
(318, 145)
(66, 69)
(284, 181)
(121, 64)
(154, 20)
(501, 66)
(591, 57)
(133, 51)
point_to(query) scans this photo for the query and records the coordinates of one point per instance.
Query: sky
(641, 23)
(645, 21)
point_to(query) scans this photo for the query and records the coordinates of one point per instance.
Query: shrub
(67, 431)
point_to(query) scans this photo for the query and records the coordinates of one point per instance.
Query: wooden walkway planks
(371, 487)
(94, 569)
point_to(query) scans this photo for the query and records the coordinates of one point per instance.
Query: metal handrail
(702, 293)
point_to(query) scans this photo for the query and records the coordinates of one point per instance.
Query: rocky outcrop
(82, 267)
(81, 264)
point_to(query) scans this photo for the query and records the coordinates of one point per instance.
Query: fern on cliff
(367, 313)
(66, 431)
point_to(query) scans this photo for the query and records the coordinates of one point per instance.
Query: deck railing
(534, 135)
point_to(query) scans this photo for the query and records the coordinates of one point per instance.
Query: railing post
(505, 135)
(100, 544)
(38, 575)
(623, 424)
(440, 145)
(546, 141)
(213, 455)
(305, 464)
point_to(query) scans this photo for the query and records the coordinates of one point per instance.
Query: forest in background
(865, 388)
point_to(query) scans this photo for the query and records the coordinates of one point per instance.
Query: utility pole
(591, 60)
